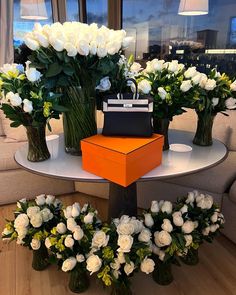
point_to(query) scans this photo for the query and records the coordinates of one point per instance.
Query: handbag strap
(136, 87)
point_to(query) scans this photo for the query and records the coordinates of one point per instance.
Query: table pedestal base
(122, 200)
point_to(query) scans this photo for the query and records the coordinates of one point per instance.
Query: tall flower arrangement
(74, 58)
(32, 225)
(25, 101)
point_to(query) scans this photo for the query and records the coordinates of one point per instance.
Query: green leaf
(68, 70)
(53, 70)
(60, 108)
(15, 124)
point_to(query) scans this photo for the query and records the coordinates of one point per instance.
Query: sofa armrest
(232, 192)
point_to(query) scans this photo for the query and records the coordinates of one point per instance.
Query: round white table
(124, 200)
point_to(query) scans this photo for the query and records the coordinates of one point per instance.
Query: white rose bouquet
(118, 250)
(162, 80)
(207, 219)
(76, 59)
(208, 95)
(33, 222)
(70, 243)
(25, 101)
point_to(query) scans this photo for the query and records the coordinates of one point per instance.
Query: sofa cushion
(7, 151)
(1, 127)
(232, 192)
(224, 127)
(217, 179)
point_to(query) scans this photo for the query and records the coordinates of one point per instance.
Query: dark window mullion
(82, 11)
(114, 14)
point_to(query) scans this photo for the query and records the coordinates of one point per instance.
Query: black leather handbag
(128, 114)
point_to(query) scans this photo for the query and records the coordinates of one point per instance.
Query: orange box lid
(121, 144)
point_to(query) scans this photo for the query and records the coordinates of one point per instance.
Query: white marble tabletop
(174, 163)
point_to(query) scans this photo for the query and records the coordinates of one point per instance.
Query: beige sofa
(219, 181)
(16, 183)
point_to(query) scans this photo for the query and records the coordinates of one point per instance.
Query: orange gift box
(121, 160)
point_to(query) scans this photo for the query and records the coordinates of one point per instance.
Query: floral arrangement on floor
(77, 59)
(26, 101)
(32, 225)
(75, 239)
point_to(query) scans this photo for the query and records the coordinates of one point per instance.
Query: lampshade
(193, 7)
(33, 9)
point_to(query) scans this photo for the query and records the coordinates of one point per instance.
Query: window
(21, 25)
(97, 12)
(205, 41)
(72, 10)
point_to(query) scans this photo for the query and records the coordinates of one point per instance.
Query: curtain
(6, 32)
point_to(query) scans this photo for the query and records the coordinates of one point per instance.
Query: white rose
(208, 201)
(184, 209)
(40, 200)
(33, 75)
(190, 73)
(48, 243)
(69, 241)
(36, 220)
(197, 78)
(154, 207)
(125, 228)
(206, 231)
(125, 243)
(166, 207)
(161, 255)
(75, 211)
(83, 47)
(59, 256)
(21, 220)
(101, 51)
(41, 38)
(129, 268)
(46, 214)
(31, 43)
(210, 84)
(89, 218)
(56, 203)
(135, 67)
(233, 86)
(173, 66)
(147, 266)
(69, 264)
(148, 220)
(80, 258)
(166, 225)
(71, 224)
(32, 210)
(214, 227)
(191, 198)
(188, 239)
(71, 49)
(177, 218)
(157, 65)
(188, 227)
(214, 217)
(61, 228)
(186, 85)
(203, 80)
(121, 257)
(162, 238)
(93, 48)
(22, 232)
(14, 99)
(215, 101)
(56, 43)
(21, 201)
(116, 264)
(78, 233)
(94, 263)
(50, 199)
(144, 86)
(104, 85)
(126, 42)
(113, 47)
(6, 232)
(200, 197)
(162, 93)
(35, 244)
(145, 235)
(28, 106)
(137, 224)
(84, 208)
(100, 239)
(230, 103)
(68, 212)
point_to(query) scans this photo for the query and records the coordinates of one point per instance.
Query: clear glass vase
(79, 280)
(203, 136)
(161, 126)
(191, 258)
(37, 145)
(80, 119)
(40, 258)
(162, 273)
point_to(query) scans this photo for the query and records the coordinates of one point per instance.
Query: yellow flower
(60, 246)
(14, 236)
(54, 231)
(13, 75)
(21, 77)
(53, 241)
(106, 278)
(9, 226)
(46, 108)
(107, 253)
